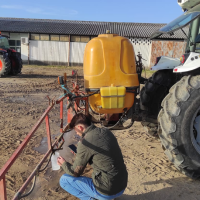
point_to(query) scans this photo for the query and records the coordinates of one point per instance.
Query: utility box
(25, 49)
(24, 40)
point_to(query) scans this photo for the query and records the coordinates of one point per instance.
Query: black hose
(85, 95)
(34, 181)
(131, 124)
(118, 123)
(40, 170)
(31, 190)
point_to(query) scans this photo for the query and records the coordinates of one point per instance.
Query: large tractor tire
(152, 94)
(179, 122)
(16, 63)
(5, 65)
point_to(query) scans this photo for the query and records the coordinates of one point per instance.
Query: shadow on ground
(179, 189)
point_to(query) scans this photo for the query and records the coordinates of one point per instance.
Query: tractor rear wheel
(16, 63)
(179, 122)
(5, 65)
(152, 94)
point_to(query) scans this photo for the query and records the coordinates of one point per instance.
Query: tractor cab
(4, 44)
(185, 20)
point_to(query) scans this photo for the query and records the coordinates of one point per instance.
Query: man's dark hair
(80, 118)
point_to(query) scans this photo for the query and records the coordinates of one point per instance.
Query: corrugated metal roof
(93, 28)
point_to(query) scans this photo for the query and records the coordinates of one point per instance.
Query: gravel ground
(23, 99)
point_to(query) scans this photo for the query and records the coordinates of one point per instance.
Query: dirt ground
(23, 100)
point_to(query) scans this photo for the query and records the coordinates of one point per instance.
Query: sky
(138, 11)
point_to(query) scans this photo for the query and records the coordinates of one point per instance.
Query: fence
(51, 148)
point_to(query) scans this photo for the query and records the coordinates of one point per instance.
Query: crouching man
(100, 149)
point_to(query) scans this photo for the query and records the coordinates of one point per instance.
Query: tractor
(169, 103)
(172, 94)
(10, 60)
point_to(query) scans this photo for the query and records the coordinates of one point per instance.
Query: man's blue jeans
(83, 188)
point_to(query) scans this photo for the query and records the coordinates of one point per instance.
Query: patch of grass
(53, 66)
(147, 73)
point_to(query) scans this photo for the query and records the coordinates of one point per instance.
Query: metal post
(61, 105)
(3, 195)
(69, 50)
(29, 49)
(86, 107)
(61, 116)
(65, 79)
(75, 105)
(69, 115)
(194, 31)
(48, 132)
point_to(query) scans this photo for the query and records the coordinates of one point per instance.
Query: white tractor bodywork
(188, 4)
(166, 62)
(192, 62)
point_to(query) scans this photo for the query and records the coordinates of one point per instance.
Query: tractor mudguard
(166, 62)
(191, 63)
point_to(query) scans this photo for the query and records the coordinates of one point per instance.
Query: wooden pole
(69, 50)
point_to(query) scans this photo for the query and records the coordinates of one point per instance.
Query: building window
(44, 37)
(85, 38)
(35, 36)
(15, 44)
(93, 37)
(54, 37)
(75, 38)
(18, 42)
(12, 42)
(64, 38)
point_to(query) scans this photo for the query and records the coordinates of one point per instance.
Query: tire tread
(169, 116)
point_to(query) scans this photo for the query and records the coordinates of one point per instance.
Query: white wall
(76, 52)
(53, 52)
(48, 52)
(24, 52)
(143, 46)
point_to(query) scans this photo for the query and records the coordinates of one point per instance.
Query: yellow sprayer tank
(109, 66)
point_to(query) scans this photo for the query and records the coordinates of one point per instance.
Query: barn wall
(56, 53)
(173, 49)
(76, 53)
(48, 52)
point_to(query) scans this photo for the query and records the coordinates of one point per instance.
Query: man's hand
(60, 160)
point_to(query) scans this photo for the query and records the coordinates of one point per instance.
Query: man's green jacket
(100, 149)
